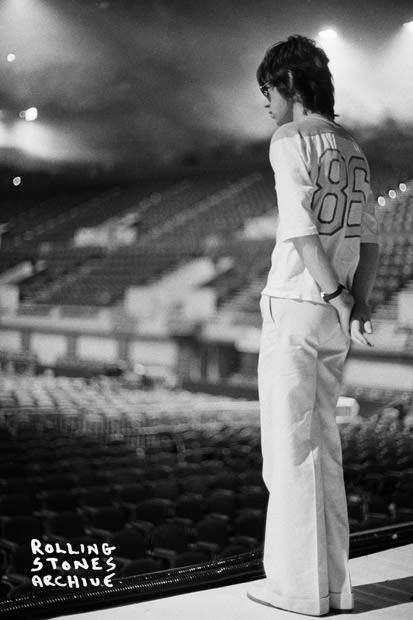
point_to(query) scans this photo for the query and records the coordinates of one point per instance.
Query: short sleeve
(369, 225)
(293, 186)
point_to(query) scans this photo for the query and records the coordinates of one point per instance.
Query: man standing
(316, 297)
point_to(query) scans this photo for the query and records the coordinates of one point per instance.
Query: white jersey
(322, 181)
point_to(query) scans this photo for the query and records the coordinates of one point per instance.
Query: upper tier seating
(103, 282)
(54, 219)
(177, 223)
(395, 264)
(76, 276)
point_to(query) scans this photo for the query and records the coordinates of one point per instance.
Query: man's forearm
(365, 275)
(315, 260)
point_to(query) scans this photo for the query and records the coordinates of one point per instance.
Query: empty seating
(169, 537)
(213, 533)
(153, 503)
(65, 526)
(105, 521)
(154, 511)
(251, 523)
(20, 530)
(16, 505)
(191, 506)
(129, 544)
(190, 558)
(20, 565)
(59, 501)
(141, 567)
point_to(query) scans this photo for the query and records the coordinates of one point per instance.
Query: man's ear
(296, 97)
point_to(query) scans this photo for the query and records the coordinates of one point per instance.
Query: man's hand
(343, 304)
(360, 323)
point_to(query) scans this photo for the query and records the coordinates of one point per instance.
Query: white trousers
(300, 366)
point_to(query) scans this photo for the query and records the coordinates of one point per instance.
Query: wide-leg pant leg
(330, 363)
(295, 549)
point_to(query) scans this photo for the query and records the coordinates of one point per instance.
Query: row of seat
(395, 262)
(183, 459)
(137, 549)
(106, 282)
(54, 219)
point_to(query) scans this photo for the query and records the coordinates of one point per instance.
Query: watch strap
(328, 296)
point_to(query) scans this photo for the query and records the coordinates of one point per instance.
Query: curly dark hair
(298, 67)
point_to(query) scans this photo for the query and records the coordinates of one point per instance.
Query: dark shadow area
(383, 594)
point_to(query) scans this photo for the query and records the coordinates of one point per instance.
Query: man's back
(322, 184)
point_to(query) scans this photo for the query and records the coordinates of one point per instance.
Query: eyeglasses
(265, 89)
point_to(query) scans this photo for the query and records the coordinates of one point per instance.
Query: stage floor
(383, 588)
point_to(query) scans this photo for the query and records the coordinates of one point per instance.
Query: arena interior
(129, 335)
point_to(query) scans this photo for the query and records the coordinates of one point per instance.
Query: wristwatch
(329, 296)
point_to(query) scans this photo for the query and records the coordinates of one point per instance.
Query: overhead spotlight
(403, 187)
(392, 193)
(328, 34)
(11, 57)
(17, 181)
(408, 26)
(30, 114)
(381, 200)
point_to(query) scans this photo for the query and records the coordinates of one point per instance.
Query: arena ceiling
(125, 80)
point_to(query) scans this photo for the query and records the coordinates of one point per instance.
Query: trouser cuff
(308, 606)
(341, 600)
